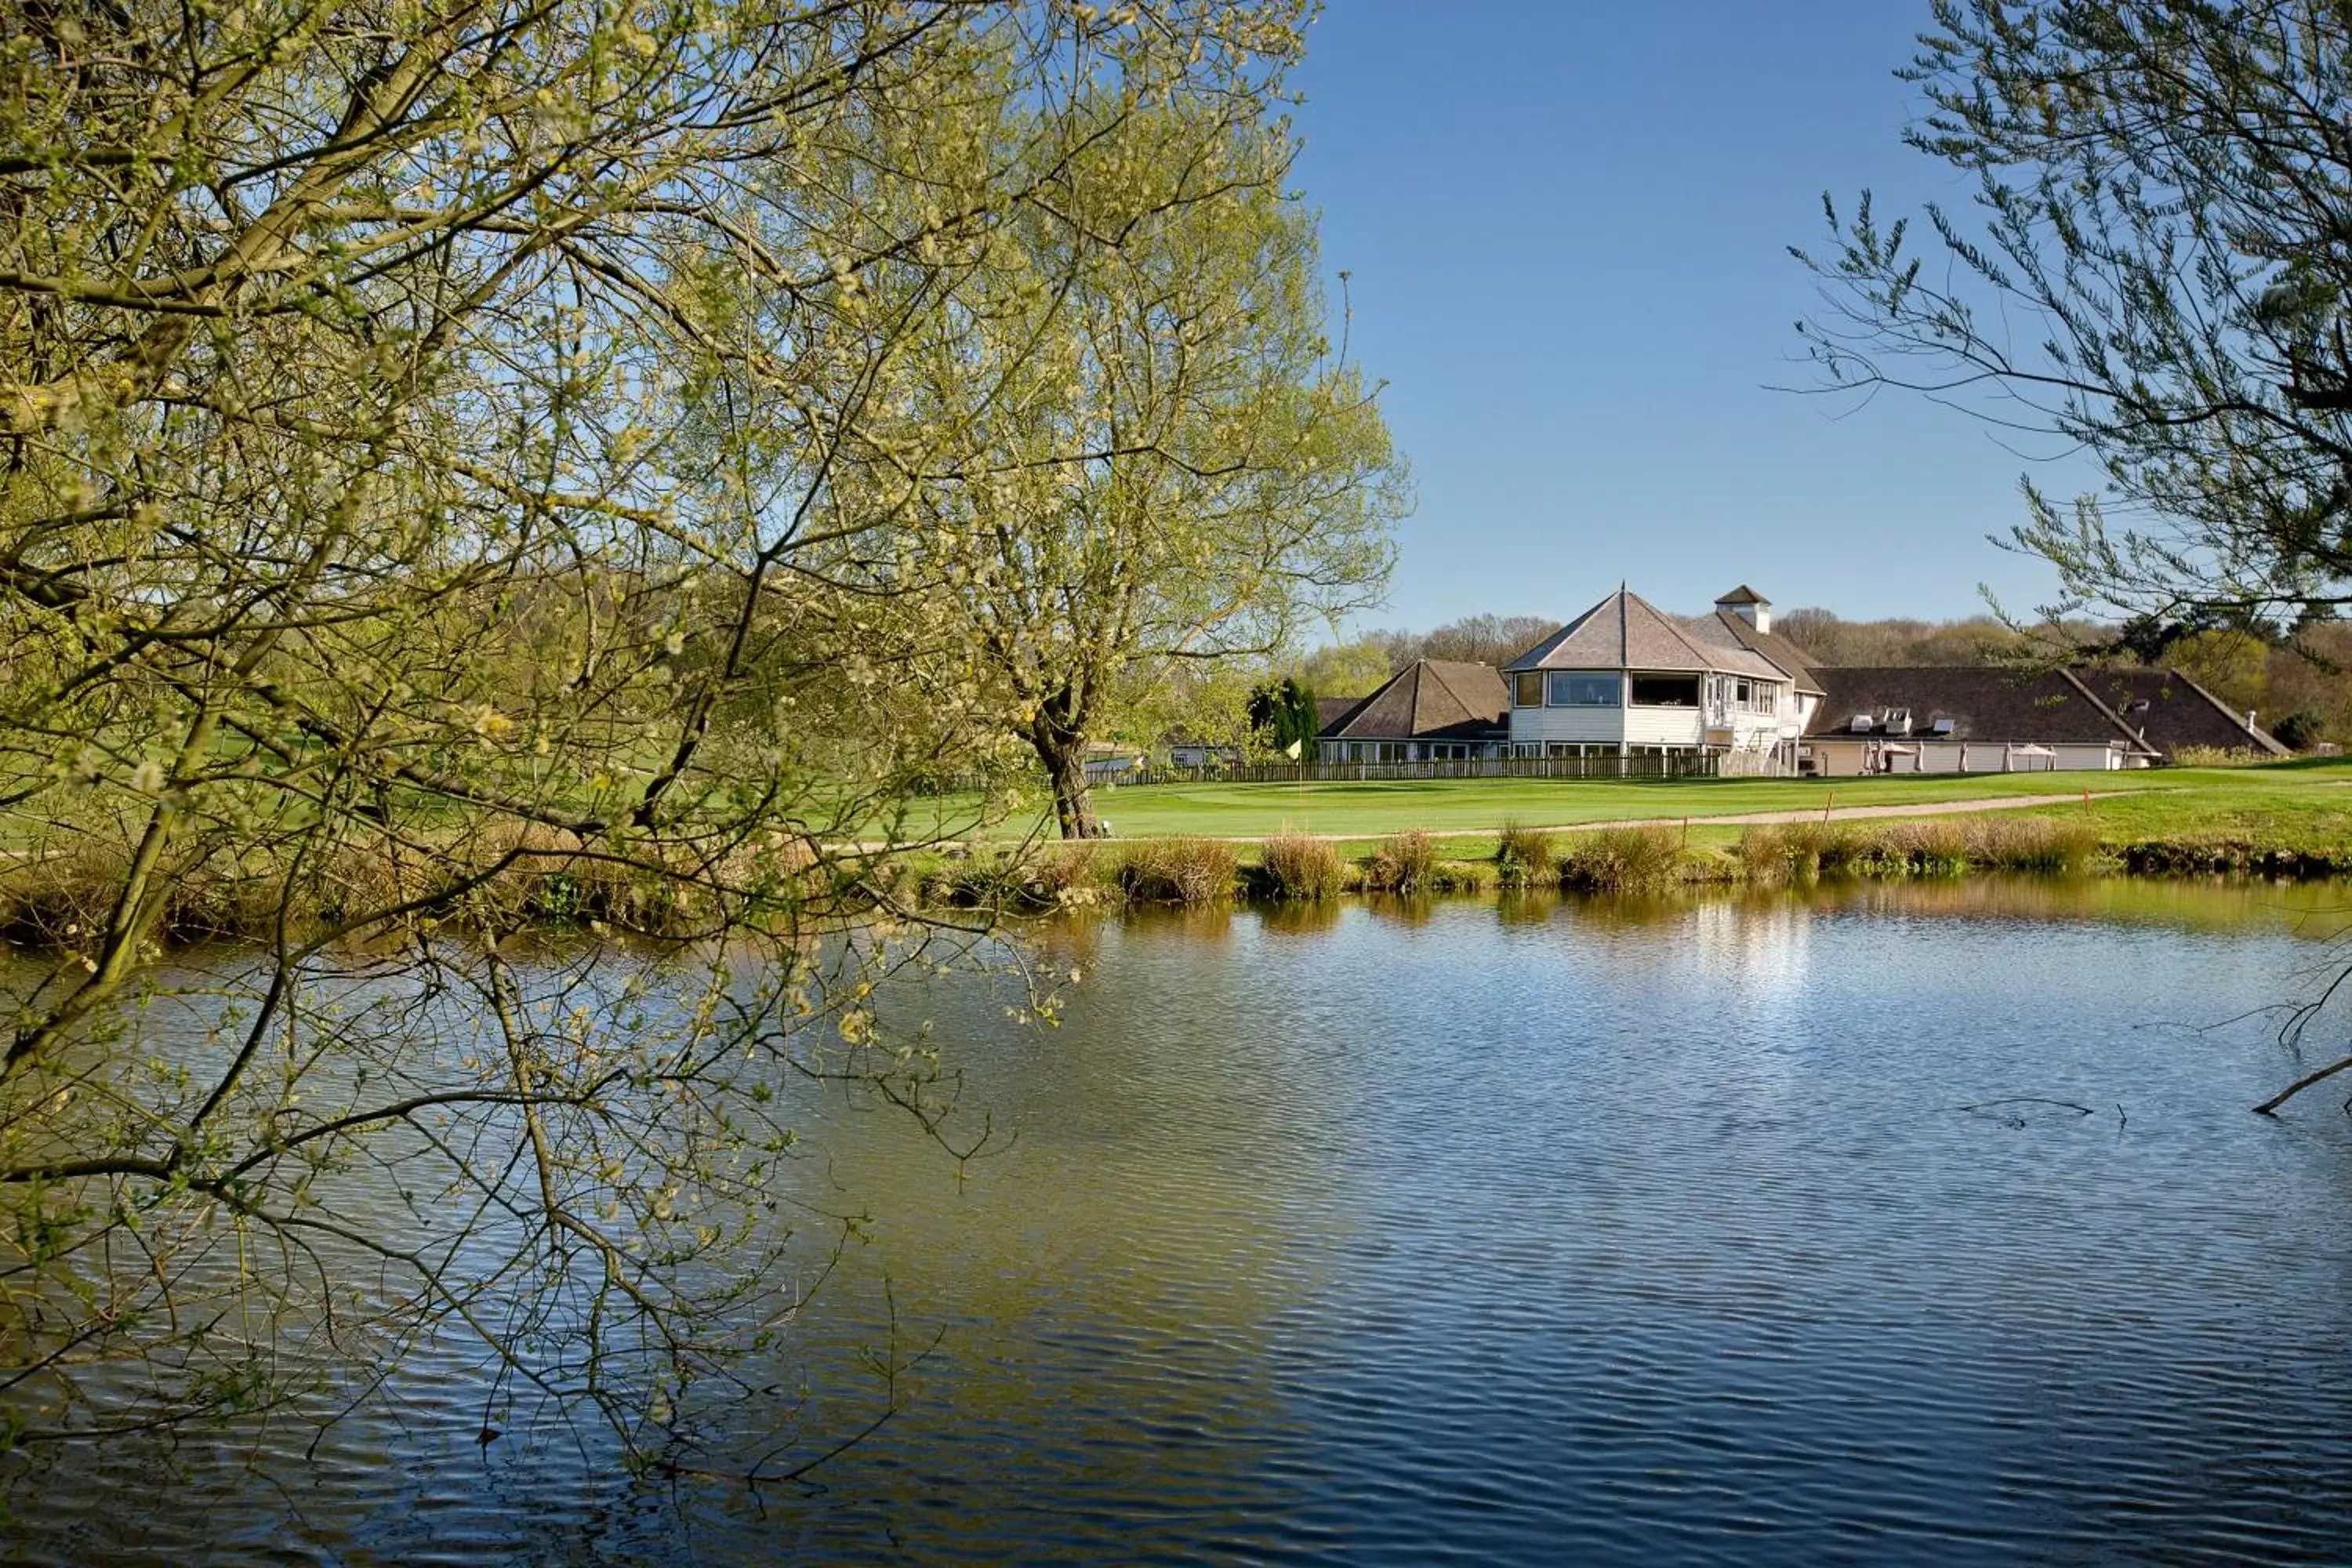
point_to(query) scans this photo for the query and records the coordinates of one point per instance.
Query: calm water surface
(1580, 1230)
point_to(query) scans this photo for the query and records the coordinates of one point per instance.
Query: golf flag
(1291, 750)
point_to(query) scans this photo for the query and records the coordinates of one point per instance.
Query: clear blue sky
(1566, 225)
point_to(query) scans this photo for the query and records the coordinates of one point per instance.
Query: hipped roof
(1776, 649)
(2180, 712)
(1428, 699)
(1625, 631)
(2059, 705)
(1983, 703)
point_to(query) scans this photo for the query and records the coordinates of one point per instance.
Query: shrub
(984, 881)
(1402, 863)
(1461, 877)
(1618, 860)
(1069, 874)
(1300, 866)
(1178, 870)
(2217, 757)
(2300, 730)
(60, 897)
(1524, 858)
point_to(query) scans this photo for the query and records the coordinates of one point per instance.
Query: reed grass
(1924, 846)
(1524, 858)
(1622, 860)
(1404, 863)
(1300, 866)
(1178, 870)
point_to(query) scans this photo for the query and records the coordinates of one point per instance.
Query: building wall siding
(1635, 726)
(1663, 726)
(1584, 726)
(1843, 758)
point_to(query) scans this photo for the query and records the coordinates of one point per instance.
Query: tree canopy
(1124, 440)
(2156, 272)
(1478, 640)
(443, 489)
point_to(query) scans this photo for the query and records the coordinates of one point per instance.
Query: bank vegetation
(1634, 857)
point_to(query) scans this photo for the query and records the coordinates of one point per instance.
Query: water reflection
(1630, 1228)
(1525, 906)
(1301, 917)
(1406, 909)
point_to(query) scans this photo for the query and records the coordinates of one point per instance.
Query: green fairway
(2318, 793)
(2313, 795)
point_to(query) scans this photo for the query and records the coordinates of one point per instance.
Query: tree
(1478, 640)
(2158, 274)
(2231, 665)
(2159, 184)
(1827, 639)
(1137, 453)
(1283, 715)
(1344, 669)
(383, 569)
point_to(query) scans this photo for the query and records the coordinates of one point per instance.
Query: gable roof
(2178, 711)
(1743, 595)
(1428, 699)
(1625, 631)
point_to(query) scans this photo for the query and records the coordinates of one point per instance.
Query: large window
(1527, 688)
(1570, 690)
(1665, 692)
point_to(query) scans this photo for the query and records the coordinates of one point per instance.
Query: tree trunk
(1065, 756)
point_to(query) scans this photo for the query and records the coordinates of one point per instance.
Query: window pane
(1666, 690)
(1527, 688)
(1571, 690)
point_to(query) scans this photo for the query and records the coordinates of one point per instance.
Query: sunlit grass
(2311, 796)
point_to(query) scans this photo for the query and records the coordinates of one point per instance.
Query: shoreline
(554, 888)
(1775, 848)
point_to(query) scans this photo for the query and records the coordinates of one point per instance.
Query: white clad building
(1624, 678)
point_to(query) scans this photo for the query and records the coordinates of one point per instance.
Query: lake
(1875, 1223)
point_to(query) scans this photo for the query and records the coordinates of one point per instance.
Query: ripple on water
(1667, 1239)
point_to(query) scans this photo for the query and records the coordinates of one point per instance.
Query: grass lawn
(2302, 804)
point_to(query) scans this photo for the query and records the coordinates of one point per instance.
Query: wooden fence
(1673, 766)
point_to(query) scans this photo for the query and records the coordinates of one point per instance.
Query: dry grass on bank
(498, 876)
(1404, 863)
(1300, 866)
(1622, 860)
(1178, 870)
(1919, 847)
(1524, 859)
